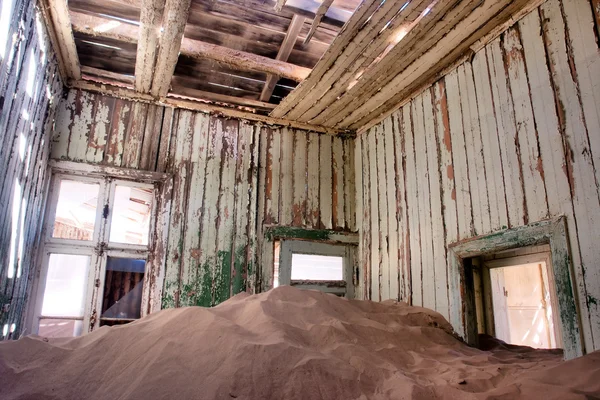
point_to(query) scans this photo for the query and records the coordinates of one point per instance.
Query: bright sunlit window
(317, 268)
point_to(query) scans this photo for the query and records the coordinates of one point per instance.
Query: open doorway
(515, 297)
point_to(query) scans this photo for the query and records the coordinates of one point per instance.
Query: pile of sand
(287, 344)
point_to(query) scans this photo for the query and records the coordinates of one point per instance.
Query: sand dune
(287, 344)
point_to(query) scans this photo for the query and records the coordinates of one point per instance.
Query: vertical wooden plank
(404, 272)
(254, 210)
(162, 158)
(98, 131)
(205, 289)
(80, 126)
(412, 204)
(579, 164)
(507, 134)
(366, 225)
(226, 217)
(531, 163)
(326, 184)
(584, 54)
(421, 150)
(263, 187)
(392, 211)
(374, 213)
(437, 222)
(349, 185)
(448, 195)
(62, 129)
(491, 149)
(180, 156)
(196, 126)
(552, 151)
(151, 138)
(338, 184)
(358, 172)
(459, 158)
(135, 135)
(243, 187)
(114, 148)
(272, 174)
(299, 178)
(312, 200)
(287, 177)
(384, 263)
(476, 166)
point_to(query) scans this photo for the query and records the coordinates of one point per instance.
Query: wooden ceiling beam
(174, 21)
(321, 11)
(56, 14)
(284, 52)
(107, 75)
(220, 98)
(151, 17)
(194, 49)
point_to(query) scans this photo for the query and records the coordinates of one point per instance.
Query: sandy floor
(287, 344)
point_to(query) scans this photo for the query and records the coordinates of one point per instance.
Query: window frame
(98, 249)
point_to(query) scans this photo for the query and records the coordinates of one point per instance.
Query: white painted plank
(532, 169)
(349, 185)
(448, 193)
(374, 213)
(552, 151)
(62, 130)
(312, 200)
(479, 195)
(421, 150)
(459, 157)
(392, 204)
(437, 222)
(366, 227)
(358, 173)
(287, 176)
(384, 235)
(326, 183)
(338, 184)
(401, 211)
(299, 175)
(82, 120)
(491, 148)
(507, 134)
(412, 204)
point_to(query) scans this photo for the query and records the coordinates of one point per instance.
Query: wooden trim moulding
(128, 94)
(552, 232)
(316, 235)
(84, 169)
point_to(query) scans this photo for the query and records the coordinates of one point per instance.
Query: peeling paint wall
(29, 85)
(510, 138)
(231, 179)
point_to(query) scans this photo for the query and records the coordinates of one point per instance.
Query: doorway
(516, 297)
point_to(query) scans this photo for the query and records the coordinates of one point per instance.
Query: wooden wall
(231, 178)
(29, 85)
(510, 138)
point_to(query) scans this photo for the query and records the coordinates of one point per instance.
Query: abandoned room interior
(431, 167)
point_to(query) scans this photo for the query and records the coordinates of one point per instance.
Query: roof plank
(150, 21)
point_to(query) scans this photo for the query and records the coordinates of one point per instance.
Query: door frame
(552, 232)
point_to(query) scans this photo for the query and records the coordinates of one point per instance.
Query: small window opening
(315, 267)
(515, 297)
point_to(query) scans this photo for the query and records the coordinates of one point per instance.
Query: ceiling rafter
(321, 11)
(170, 42)
(56, 16)
(284, 52)
(151, 17)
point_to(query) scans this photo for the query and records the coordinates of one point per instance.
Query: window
(313, 265)
(97, 237)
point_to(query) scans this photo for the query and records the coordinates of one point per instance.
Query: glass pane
(123, 288)
(60, 327)
(317, 268)
(130, 221)
(66, 281)
(76, 210)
